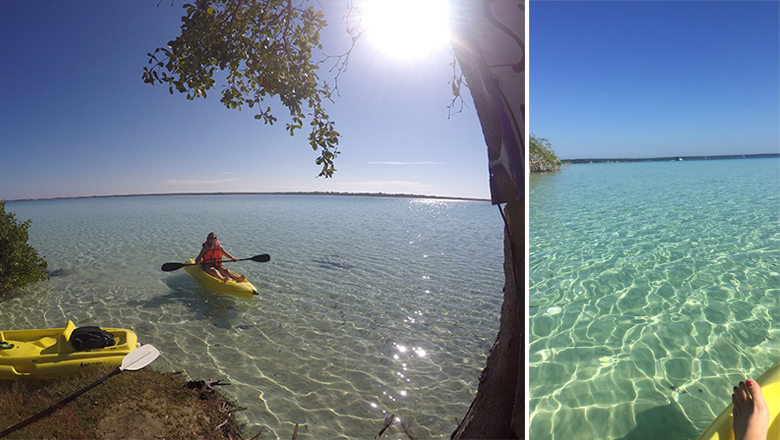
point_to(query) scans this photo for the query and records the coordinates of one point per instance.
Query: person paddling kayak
(210, 257)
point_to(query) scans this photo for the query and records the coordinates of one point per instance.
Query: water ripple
(368, 305)
(651, 294)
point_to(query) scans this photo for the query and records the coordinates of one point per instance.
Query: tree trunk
(488, 38)
(498, 410)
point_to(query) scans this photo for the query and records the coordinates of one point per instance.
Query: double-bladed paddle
(135, 360)
(169, 267)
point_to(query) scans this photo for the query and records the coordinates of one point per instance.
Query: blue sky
(77, 120)
(626, 79)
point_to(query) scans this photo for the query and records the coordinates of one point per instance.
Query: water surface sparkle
(654, 288)
(351, 280)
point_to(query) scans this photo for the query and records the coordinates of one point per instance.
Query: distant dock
(674, 158)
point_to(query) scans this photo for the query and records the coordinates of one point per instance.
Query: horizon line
(249, 193)
(697, 157)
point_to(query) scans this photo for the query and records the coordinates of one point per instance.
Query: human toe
(755, 390)
(758, 397)
(740, 394)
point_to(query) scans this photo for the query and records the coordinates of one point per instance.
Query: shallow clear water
(368, 305)
(654, 288)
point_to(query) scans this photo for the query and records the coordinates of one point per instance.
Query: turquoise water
(654, 288)
(369, 305)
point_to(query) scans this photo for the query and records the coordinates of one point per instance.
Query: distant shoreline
(291, 193)
(675, 158)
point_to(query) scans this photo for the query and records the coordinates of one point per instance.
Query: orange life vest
(212, 257)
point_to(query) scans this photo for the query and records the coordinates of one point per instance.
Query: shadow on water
(59, 272)
(203, 303)
(667, 422)
(332, 262)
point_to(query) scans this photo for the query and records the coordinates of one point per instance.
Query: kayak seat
(64, 345)
(69, 327)
(45, 342)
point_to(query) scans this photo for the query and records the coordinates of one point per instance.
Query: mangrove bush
(541, 155)
(20, 264)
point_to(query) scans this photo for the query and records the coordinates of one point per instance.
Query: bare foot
(751, 415)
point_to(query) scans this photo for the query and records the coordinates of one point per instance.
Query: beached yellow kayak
(50, 353)
(244, 289)
(770, 388)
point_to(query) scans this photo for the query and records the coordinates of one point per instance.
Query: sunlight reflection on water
(653, 289)
(368, 305)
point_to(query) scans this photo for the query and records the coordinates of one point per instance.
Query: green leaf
(20, 264)
(263, 49)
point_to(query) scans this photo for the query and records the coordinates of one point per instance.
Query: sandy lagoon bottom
(654, 288)
(368, 306)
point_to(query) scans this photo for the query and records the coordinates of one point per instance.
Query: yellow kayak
(244, 289)
(770, 388)
(50, 353)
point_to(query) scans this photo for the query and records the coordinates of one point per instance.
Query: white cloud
(405, 163)
(197, 182)
(385, 185)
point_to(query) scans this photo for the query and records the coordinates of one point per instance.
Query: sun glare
(406, 28)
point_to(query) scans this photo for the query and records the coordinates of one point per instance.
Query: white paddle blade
(139, 358)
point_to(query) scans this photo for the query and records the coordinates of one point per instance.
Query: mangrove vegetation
(20, 264)
(541, 156)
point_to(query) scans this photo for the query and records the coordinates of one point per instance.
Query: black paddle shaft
(169, 267)
(58, 405)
